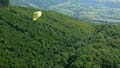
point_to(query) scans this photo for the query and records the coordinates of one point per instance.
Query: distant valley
(93, 11)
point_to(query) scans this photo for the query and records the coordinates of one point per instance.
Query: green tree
(4, 3)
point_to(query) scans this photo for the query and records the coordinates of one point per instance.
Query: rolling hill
(55, 41)
(97, 11)
(36, 3)
(88, 10)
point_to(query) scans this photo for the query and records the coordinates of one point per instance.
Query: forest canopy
(55, 41)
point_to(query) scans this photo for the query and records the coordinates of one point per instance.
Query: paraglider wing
(36, 15)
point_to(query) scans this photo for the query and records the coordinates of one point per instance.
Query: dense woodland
(55, 41)
(4, 3)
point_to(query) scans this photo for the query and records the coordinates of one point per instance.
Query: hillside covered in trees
(55, 41)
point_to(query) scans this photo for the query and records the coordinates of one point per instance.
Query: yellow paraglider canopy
(36, 15)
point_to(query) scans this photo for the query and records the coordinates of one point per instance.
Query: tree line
(4, 3)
